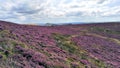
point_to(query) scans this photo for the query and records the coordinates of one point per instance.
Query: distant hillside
(65, 46)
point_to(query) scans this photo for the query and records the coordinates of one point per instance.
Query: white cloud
(45, 9)
(115, 11)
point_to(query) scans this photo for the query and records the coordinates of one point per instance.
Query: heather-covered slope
(66, 46)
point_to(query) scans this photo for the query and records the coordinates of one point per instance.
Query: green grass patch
(98, 63)
(105, 30)
(65, 43)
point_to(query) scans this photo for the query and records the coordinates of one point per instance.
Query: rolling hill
(63, 46)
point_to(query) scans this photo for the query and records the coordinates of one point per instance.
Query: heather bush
(66, 46)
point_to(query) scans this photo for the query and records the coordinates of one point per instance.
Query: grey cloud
(25, 9)
(7, 16)
(101, 1)
(75, 14)
(75, 6)
(35, 9)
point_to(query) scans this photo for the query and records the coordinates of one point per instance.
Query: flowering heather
(65, 46)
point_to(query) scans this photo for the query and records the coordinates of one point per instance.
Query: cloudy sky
(59, 11)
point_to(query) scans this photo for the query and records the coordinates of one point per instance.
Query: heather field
(63, 46)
